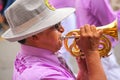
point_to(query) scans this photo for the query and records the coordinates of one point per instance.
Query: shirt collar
(38, 52)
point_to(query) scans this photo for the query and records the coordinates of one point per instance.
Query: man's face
(51, 37)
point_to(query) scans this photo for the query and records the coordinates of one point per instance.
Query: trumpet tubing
(105, 44)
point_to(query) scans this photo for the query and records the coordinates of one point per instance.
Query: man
(35, 24)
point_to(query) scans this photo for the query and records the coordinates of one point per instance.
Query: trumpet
(104, 46)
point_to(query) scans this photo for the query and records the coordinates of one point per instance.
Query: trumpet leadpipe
(69, 37)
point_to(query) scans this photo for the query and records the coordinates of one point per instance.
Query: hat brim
(57, 16)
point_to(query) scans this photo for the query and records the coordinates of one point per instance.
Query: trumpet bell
(110, 29)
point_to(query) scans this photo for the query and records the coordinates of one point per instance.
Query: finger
(93, 28)
(87, 28)
(82, 31)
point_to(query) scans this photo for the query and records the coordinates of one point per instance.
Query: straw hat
(29, 17)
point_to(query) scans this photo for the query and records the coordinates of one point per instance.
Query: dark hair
(22, 41)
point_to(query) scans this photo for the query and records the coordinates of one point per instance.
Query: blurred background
(8, 50)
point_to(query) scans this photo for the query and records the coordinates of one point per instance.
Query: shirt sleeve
(102, 10)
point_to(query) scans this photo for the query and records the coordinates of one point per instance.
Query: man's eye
(57, 26)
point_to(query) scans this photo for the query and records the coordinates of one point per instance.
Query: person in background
(4, 4)
(1, 17)
(99, 13)
(1, 5)
(115, 4)
(35, 24)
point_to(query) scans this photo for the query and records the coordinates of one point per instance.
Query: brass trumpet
(105, 44)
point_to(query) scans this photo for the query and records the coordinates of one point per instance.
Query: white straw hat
(29, 17)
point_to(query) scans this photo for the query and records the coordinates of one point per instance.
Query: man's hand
(89, 38)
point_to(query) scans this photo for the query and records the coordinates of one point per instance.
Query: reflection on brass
(109, 30)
